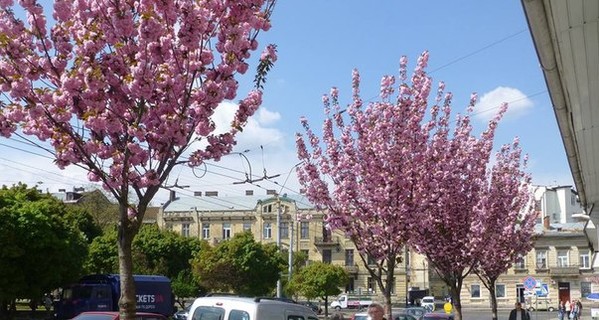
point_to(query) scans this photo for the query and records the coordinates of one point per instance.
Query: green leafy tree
(186, 285)
(103, 211)
(319, 280)
(40, 246)
(240, 265)
(155, 251)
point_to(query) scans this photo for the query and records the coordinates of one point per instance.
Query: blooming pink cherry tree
(508, 217)
(367, 176)
(450, 229)
(123, 88)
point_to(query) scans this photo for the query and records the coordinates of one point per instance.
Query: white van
(238, 308)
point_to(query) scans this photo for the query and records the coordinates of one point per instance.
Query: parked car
(428, 302)
(397, 315)
(312, 305)
(360, 316)
(114, 315)
(403, 316)
(438, 316)
(182, 314)
(417, 312)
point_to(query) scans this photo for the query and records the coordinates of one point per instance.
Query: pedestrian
(337, 316)
(579, 305)
(568, 309)
(574, 311)
(561, 310)
(518, 313)
(376, 311)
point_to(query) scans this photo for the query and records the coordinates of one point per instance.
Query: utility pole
(279, 284)
(290, 259)
(407, 269)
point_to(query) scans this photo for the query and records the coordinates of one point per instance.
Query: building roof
(228, 203)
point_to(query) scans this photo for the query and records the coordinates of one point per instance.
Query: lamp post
(279, 284)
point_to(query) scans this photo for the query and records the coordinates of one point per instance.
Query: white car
(428, 302)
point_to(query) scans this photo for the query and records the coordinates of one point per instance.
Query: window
(205, 230)
(585, 288)
(226, 230)
(371, 285)
(327, 256)
(267, 231)
(541, 259)
(371, 260)
(238, 315)
(562, 258)
(284, 230)
(585, 259)
(349, 288)
(475, 291)
(247, 226)
(500, 290)
(304, 230)
(520, 262)
(267, 208)
(185, 229)
(349, 257)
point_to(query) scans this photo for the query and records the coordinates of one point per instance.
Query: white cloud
(255, 133)
(489, 103)
(266, 117)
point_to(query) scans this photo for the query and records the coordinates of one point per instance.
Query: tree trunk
(454, 289)
(326, 307)
(389, 284)
(127, 300)
(493, 295)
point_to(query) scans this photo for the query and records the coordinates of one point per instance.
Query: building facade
(561, 260)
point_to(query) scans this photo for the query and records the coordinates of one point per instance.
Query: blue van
(101, 292)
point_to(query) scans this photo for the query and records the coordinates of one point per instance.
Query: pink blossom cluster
(123, 87)
(401, 171)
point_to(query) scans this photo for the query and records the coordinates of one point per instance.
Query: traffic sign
(529, 283)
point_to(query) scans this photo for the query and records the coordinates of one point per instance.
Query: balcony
(326, 241)
(564, 271)
(352, 269)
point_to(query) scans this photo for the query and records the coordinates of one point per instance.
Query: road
(481, 314)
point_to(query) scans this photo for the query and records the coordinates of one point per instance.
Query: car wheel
(531, 308)
(337, 308)
(550, 309)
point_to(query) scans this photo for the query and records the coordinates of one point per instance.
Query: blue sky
(475, 46)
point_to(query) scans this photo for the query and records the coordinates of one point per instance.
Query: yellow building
(214, 218)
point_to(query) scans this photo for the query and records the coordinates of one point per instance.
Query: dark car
(438, 316)
(312, 305)
(182, 314)
(417, 312)
(114, 315)
(403, 316)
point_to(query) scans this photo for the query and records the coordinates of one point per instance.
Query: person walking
(579, 306)
(568, 309)
(574, 312)
(561, 310)
(518, 313)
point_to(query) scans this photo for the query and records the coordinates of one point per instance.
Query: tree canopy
(240, 265)
(319, 280)
(41, 248)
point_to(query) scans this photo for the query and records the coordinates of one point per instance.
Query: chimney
(271, 192)
(172, 196)
(249, 192)
(546, 223)
(211, 193)
(197, 193)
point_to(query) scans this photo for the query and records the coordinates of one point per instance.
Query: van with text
(102, 292)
